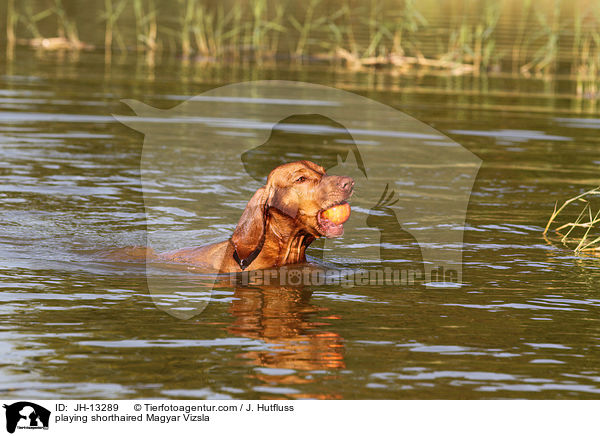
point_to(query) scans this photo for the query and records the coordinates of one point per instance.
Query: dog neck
(286, 241)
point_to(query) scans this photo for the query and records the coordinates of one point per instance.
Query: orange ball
(337, 214)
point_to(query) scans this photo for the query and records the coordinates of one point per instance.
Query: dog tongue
(337, 214)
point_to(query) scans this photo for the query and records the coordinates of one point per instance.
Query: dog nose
(346, 183)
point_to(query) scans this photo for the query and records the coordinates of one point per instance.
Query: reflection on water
(76, 324)
(279, 316)
(284, 318)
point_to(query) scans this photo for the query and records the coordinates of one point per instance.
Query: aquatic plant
(110, 16)
(474, 42)
(581, 235)
(11, 23)
(187, 14)
(31, 18)
(459, 36)
(585, 64)
(484, 44)
(545, 57)
(405, 29)
(518, 49)
(146, 24)
(304, 28)
(66, 27)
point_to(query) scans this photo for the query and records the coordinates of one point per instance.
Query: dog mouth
(331, 219)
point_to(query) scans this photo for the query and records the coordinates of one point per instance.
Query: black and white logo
(26, 415)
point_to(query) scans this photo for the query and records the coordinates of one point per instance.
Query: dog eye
(300, 179)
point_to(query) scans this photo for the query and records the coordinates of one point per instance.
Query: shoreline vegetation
(460, 37)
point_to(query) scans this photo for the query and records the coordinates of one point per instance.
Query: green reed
(586, 45)
(110, 16)
(485, 43)
(578, 39)
(310, 22)
(339, 32)
(146, 25)
(257, 30)
(411, 20)
(545, 57)
(188, 7)
(66, 27)
(518, 48)
(30, 18)
(260, 35)
(349, 30)
(210, 31)
(526, 36)
(12, 19)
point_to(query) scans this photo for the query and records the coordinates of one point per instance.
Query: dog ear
(286, 204)
(249, 235)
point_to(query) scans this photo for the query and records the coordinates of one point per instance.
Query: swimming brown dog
(298, 204)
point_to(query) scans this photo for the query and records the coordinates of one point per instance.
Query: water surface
(77, 325)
